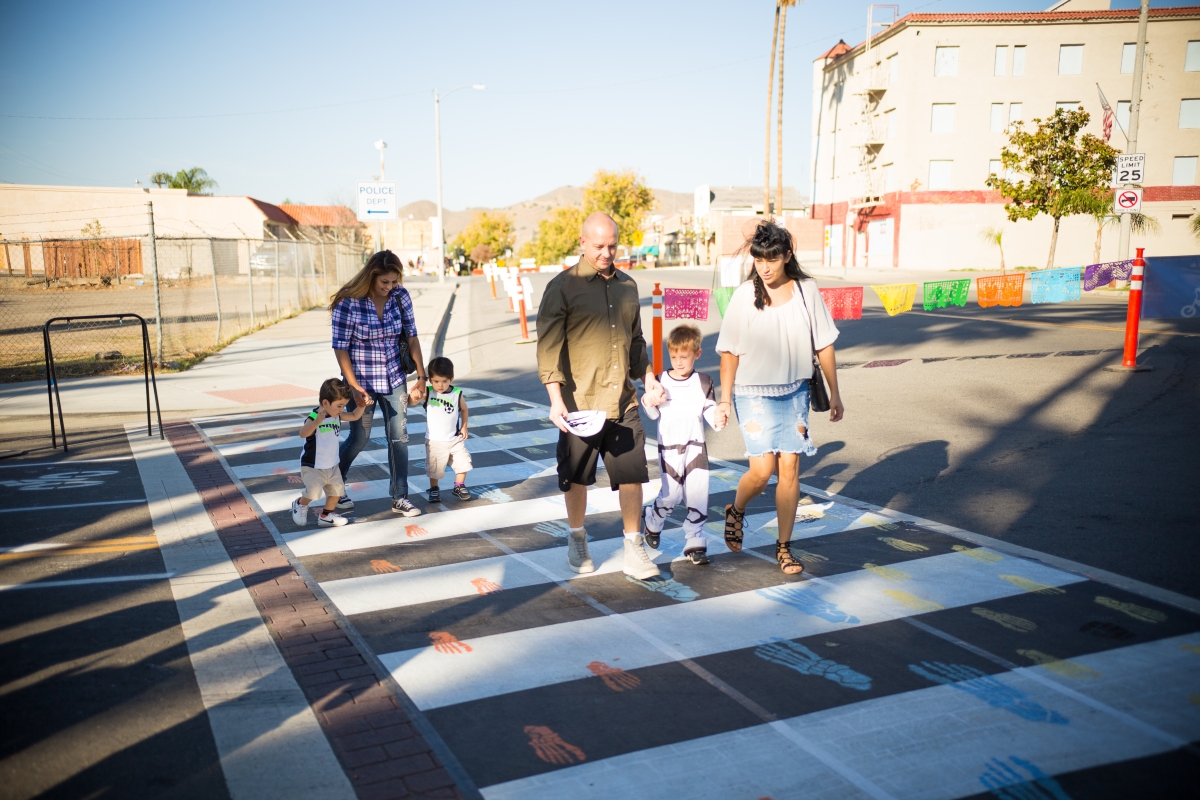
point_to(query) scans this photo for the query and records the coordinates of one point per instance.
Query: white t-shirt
(689, 404)
(443, 417)
(321, 449)
(773, 345)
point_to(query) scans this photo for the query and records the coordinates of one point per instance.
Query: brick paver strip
(374, 738)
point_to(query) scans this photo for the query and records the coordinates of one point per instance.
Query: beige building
(722, 215)
(909, 124)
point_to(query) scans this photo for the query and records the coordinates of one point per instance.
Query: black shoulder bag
(818, 395)
(406, 360)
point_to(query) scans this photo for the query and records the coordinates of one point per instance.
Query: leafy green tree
(195, 180)
(1194, 225)
(1057, 169)
(557, 236)
(995, 235)
(625, 197)
(494, 230)
(1098, 205)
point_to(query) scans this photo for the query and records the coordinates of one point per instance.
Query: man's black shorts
(622, 443)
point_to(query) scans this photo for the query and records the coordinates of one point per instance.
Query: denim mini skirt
(770, 424)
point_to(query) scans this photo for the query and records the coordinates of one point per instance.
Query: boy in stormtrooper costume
(682, 452)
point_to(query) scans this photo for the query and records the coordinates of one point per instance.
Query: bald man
(590, 351)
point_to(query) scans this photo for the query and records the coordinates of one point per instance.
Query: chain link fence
(208, 291)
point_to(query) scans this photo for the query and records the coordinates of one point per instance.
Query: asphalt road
(1000, 421)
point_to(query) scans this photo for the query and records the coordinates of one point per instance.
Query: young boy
(445, 431)
(319, 458)
(682, 453)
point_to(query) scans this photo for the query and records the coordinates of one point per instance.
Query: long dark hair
(769, 242)
(385, 262)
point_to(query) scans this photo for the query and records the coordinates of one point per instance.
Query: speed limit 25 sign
(1127, 201)
(1130, 169)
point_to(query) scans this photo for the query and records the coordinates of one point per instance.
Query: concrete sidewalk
(277, 367)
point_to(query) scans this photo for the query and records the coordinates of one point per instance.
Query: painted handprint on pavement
(413, 531)
(668, 586)
(1061, 667)
(614, 678)
(445, 642)
(1008, 784)
(485, 586)
(887, 573)
(1032, 586)
(493, 495)
(808, 601)
(988, 689)
(550, 747)
(74, 479)
(556, 528)
(901, 545)
(912, 601)
(381, 566)
(1013, 623)
(1137, 612)
(798, 657)
(978, 553)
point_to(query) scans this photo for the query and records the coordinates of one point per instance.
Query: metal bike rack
(52, 376)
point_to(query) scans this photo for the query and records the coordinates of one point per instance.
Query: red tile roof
(322, 216)
(272, 212)
(841, 48)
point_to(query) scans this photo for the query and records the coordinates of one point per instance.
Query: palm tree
(995, 236)
(195, 180)
(770, 98)
(1194, 225)
(1099, 206)
(783, 4)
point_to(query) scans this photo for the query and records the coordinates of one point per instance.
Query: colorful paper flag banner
(722, 296)
(939, 294)
(1054, 285)
(685, 304)
(1097, 275)
(896, 297)
(1001, 290)
(844, 302)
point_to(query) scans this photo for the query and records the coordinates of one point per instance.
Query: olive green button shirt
(590, 339)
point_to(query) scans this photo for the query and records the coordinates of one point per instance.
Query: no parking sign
(1127, 201)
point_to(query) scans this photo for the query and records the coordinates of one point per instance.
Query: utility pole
(158, 320)
(441, 234)
(1135, 104)
(381, 145)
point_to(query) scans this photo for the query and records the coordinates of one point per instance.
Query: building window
(1066, 105)
(1184, 173)
(1018, 61)
(940, 173)
(893, 65)
(889, 177)
(997, 121)
(1015, 112)
(1128, 54)
(1001, 61)
(1070, 59)
(945, 62)
(1189, 113)
(1123, 107)
(1191, 62)
(942, 119)
(889, 123)
(994, 167)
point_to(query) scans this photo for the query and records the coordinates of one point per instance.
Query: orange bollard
(520, 298)
(656, 329)
(1133, 318)
(491, 275)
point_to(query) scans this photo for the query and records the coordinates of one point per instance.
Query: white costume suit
(682, 454)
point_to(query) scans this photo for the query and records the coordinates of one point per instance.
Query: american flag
(1108, 114)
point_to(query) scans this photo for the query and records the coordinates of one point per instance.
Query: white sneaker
(578, 558)
(331, 519)
(299, 513)
(637, 560)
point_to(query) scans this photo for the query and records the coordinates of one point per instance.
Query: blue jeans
(394, 407)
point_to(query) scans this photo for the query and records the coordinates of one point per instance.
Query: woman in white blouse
(772, 326)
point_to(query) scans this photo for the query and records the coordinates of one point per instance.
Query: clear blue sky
(674, 90)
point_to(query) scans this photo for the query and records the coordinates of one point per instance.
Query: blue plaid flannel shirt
(372, 342)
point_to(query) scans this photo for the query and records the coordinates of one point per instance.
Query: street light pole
(437, 133)
(381, 145)
(1135, 104)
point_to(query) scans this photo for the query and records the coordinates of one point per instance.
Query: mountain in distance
(528, 213)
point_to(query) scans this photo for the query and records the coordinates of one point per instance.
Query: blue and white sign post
(377, 203)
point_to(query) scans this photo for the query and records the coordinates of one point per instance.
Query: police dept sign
(376, 201)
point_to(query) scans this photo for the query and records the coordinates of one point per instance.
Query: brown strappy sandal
(787, 562)
(733, 528)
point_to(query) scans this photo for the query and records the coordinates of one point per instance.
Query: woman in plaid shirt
(370, 313)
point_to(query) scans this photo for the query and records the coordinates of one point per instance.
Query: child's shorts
(439, 454)
(322, 481)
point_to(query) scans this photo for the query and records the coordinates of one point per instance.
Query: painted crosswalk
(905, 662)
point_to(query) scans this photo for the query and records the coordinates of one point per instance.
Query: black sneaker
(402, 506)
(461, 492)
(435, 494)
(650, 537)
(344, 503)
(699, 557)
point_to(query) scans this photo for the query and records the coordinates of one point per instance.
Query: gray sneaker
(637, 560)
(578, 557)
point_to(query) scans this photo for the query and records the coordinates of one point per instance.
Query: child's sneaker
(699, 556)
(435, 494)
(460, 491)
(403, 506)
(344, 503)
(331, 519)
(299, 513)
